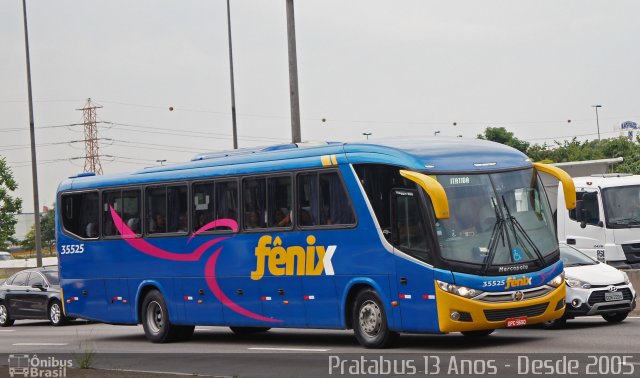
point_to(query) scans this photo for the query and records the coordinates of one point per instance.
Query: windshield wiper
(515, 225)
(496, 235)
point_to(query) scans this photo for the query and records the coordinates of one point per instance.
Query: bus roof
(430, 154)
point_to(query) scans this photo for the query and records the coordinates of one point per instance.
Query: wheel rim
(155, 317)
(370, 318)
(55, 313)
(3, 314)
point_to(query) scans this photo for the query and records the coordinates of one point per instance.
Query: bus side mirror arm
(568, 187)
(433, 188)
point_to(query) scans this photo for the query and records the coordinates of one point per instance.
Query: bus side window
(80, 214)
(227, 200)
(334, 203)
(156, 210)
(279, 200)
(177, 209)
(110, 199)
(307, 199)
(255, 206)
(203, 211)
(131, 204)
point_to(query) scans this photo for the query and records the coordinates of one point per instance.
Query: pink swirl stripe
(215, 289)
(230, 223)
(147, 248)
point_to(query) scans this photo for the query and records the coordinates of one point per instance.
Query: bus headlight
(574, 282)
(462, 291)
(557, 280)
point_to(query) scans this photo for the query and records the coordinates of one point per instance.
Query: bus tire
(369, 321)
(55, 314)
(156, 323)
(248, 330)
(479, 333)
(5, 319)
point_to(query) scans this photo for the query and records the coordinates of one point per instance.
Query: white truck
(606, 221)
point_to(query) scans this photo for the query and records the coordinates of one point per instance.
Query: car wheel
(555, 323)
(5, 319)
(479, 333)
(248, 330)
(615, 318)
(56, 317)
(156, 323)
(370, 321)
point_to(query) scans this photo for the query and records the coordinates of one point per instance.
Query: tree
(47, 232)
(9, 205)
(501, 135)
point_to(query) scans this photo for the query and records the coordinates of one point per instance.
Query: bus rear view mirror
(434, 190)
(568, 186)
(581, 213)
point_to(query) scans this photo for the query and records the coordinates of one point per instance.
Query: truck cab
(606, 222)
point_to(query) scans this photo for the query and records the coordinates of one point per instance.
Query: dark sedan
(32, 294)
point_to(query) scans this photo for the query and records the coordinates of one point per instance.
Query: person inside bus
(158, 224)
(182, 223)
(282, 219)
(253, 220)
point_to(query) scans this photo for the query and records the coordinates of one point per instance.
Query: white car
(594, 288)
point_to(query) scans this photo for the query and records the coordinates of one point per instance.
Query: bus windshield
(496, 219)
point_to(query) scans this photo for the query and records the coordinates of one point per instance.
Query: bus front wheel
(156, 323)
(369, 321)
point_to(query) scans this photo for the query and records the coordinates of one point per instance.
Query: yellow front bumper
(448, 303)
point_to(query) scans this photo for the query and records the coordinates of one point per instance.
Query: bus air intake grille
(560, 304)
(503, 314)
(598, 296)
(465, 317)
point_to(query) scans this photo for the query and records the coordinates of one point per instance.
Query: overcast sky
(391, 68)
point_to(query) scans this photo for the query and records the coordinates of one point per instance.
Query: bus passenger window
(255, 206)
(177, 210)
(322, 200)
(279, 200)
(157, 210)
(111, 199)
(308, 199)
(80, 213)
(334, 203)
(227, 200)
(131, 205)
(203, 212)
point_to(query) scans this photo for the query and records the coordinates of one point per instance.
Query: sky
(398, 68)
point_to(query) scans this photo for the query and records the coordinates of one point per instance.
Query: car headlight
(557, 280)
(462, 291)
(626, 278)
(574, 282)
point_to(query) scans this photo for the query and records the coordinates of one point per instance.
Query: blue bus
(432, 235)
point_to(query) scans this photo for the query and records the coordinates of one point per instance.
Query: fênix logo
(310, 260)
(24, 365)
(517, 281)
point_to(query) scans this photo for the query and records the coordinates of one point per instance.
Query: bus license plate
(613, 297)
(517, 322)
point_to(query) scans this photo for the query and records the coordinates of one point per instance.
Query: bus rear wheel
(248, 330)
(156, 323)
(369, 321)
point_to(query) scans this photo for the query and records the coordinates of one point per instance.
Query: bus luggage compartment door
(245, 307)
(282, 299)
(200, 305)
(118, 300)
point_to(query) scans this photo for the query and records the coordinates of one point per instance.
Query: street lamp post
(435, 133)
(161, 161)
(597, 119)
(367, 135)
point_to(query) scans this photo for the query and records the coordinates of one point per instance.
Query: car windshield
(622, 206)
(52, 277)
(572, 257)
(496, 219)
